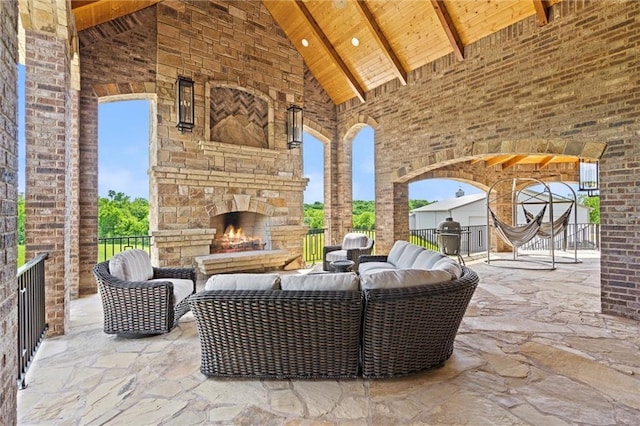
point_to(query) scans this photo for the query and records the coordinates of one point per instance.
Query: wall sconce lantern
(185, 104)
(294, 126)
(588, 178)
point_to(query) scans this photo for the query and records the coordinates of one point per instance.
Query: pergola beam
(449, 28)
(381, 40)
(497, 160)
(541, 11)
(331, 51)
(546, 160)
(513, 161)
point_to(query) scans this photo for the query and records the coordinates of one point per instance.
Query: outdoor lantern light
(185, 104)
(294, 126)
(588, 177)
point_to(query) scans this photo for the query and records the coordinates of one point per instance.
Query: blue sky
(123, 156)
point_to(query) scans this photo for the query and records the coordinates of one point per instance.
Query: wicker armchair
(407, 330)
(144, 307)
(353, 246)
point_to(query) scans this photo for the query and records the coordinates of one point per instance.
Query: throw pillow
(449, 265)
(131, 265)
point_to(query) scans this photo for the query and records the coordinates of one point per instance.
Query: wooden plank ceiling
(354, 46)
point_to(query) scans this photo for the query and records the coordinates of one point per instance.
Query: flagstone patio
(532, 349)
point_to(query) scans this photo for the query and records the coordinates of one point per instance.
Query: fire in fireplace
(240, 233)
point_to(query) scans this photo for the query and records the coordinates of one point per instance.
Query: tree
(594, 207)
(20, 218)
(118, 216)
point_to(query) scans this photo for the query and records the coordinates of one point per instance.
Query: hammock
(516, 236)
(559, 225)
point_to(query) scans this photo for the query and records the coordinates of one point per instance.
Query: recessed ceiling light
(355, 41)
(305, 42)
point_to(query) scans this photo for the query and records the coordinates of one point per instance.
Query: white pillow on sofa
(243, 282)
(347, 281)
(449, 265)
(400, 278)
(427, 259)
(131, 265)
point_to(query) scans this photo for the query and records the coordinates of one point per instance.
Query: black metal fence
(31, 320)
(109, 246)
(312, 249)
(581, 236)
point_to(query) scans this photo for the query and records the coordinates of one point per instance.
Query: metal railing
(108, 246)
(583, 236)
(473, 239)
(31, 319)
(313, 245)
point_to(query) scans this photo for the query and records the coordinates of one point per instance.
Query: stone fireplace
(240, 178)
(240, 231)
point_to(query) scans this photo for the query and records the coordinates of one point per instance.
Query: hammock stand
(519, 234)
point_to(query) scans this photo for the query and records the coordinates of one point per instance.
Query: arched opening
(363, 180)
(124, 134)
(123, 147)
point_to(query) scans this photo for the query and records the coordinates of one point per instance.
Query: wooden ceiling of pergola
(394, 37)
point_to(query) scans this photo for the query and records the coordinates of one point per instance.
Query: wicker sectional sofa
(329, 325)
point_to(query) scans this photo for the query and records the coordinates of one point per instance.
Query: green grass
(20, 255)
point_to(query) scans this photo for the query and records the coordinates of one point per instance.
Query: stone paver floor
(532, 349)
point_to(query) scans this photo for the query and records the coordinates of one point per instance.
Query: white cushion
(400, 278)
(427, 259)
(336, 255)
(354, 240)
(131, 265)
(181, 288)
(347, 281)
(409, 256)
(396, 251)
(449, 265)
(367, 266)
(243, 282)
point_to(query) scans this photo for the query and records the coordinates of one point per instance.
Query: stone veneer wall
(567, 87)
(231, 44)
(116, 58)
(8, 214)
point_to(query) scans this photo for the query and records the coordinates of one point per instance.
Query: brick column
(88, 196)
(8, 222)
(72, 158)
(47, 82)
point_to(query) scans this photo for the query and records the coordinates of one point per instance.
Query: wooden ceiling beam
(449, 28)
(331, 51)
(541, 11)
(381, 40)
(513, 161)
(546, 160)
(497, 160)
(91, 13)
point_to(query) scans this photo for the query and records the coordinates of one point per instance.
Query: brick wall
(572, 82)
(46, 89)
(8, 222)
(116, 58)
